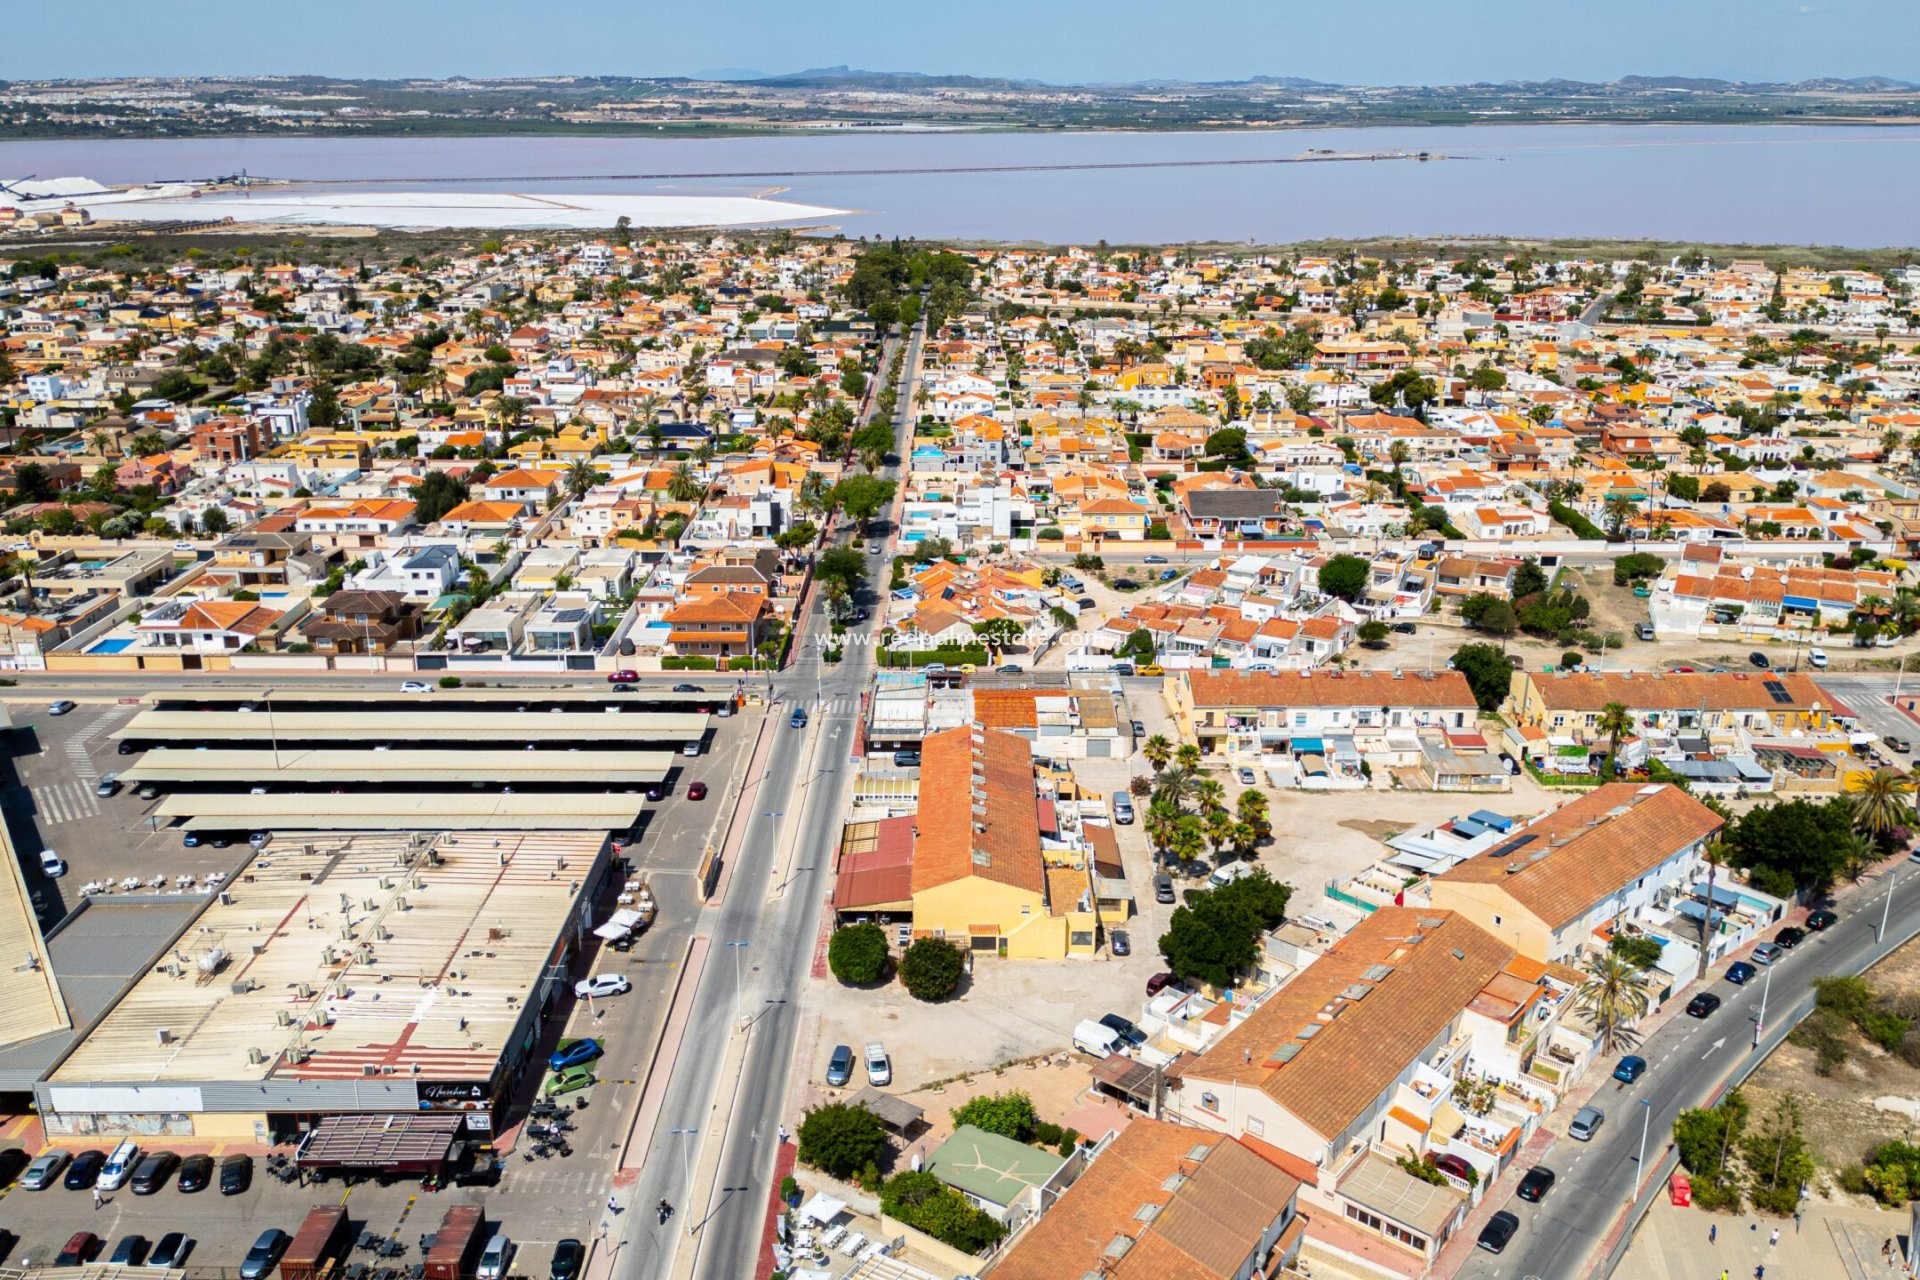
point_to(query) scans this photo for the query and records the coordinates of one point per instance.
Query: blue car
(573, 1055)
(1739, 972)
(1631, 1068)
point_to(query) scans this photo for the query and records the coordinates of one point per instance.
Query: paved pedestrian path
(1831, 1242)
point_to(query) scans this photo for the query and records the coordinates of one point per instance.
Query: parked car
(1008, 668)
(1159, 982)
(567, 1257)
(1498, 1231)
(657, 791)
(696, 791)
(1631, 1068)
(1767, 953)
(622, 676)
(494, 1258)
(196, 1173)
(1586, 1123)
(130, 1252)
(1447, 1162)
(61, 707)
(119, 1166)
(1139, 729)
(1153, 559)
(1739, 972)
(1643, 630)
(602, 984)
(84, 1171)
(152, 1173)
(1537, 1182)
(44, 1171)
(1119, 943)
(1822, 919)
(1123, 1028)
(840, 1065)
(1703, 1005)
(1759, 659)
(266, 1251)
(1163, 889)
(879, 1065)
(1790, 937)
(415, 686)
(689, 688)
(1898, 743)
(1246, 777)
(1403, 628)
(52, 864)
(906, 759)
(1123, 808)
(107, 785)
(575, 1054)
(236, 1175)
(569, 1080)
(171, 1253)
(1817, 659)
(80, 1249)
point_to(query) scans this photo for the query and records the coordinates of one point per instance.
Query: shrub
(931, 969)
(1572, 658)
(857, 954)
(1641, 953)
(925, 1203)
(1010, 1114)
(450, 682)
(841, 1140)
(1582, 527)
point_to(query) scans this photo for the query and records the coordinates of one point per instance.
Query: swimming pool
(114, 644)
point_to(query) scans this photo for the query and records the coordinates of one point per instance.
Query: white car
(415, 686)
(602, 984)
(879, 1066)
(51, 863)
(184, 546)
(1817, 658)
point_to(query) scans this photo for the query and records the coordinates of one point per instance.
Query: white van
(1226, 875)
(1097, 1040)
(119, 1166)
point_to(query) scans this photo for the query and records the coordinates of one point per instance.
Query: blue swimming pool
(117, 644)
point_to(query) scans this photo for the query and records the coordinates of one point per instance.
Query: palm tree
(1160, 822)
(1188, 756)
(1858, 853)
(1210, 795)
(1615, 722)
(683, 485)
(1219, 825)
(1879, 801)
(1714, 853)
(1175, 787)
(581, 477)
(1613, 999)
(1158, 751)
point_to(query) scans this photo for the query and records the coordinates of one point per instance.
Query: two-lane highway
(1689, 1059)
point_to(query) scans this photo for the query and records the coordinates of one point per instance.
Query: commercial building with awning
(402, 1144)
(460, 728)
(249, 767)
(403, 811)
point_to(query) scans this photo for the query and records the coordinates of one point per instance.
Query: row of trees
(930, 969)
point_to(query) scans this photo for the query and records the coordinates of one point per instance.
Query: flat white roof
(487, 810)
(425, 724)
(253, 766)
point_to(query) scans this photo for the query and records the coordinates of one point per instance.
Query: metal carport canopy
(254, 766)
(405, 811)
(407, 724)
(289, 695)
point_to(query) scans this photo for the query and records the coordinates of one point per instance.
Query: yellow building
(980, 878)
(1706, 702)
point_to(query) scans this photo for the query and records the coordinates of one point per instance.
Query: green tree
(1614, 723)
(1707, 1140)
(1879, 801)
(931, 969)
(1637, 567)
(1373, 634)
(857, 954)
(1640, 952)
(214, 521)
(683, 483)
(1488, 673)
(923, 1202)
(323, 409)
(31, 483)
(1613, 998)
(862, 497)
(1010, 1114)
(1792, 846)
(1778, 1160)
(841, 1140)
(1528, 578)
(582, 476)
(844, 565)
(1345, 576)
(1217, 932)
(436, 494)
(1157, 751)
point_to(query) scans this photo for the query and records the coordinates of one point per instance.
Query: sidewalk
(1672, 1244)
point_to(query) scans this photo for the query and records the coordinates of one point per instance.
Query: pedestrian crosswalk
(78, 754)
(71, 801)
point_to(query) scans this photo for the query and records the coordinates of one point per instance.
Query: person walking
(1773, 1239)
(96, 1198)
(1713, 1233)
(613, 1204)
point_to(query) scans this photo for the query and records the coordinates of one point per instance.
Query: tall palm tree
(581, 477)
(1175, 787)
(1158, 751)
(1210, 795)
(1858, 853)
(1613, 999)
(1879, 801)
(1188, 756)
(1714, 854)
(682, 484)
(1160, 822)
(1615, 722)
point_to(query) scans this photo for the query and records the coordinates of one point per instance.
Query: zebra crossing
(69, 801)
(76, 748)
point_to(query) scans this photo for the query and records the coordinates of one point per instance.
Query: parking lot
(56, 764)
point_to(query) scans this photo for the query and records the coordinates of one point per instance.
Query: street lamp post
(1886, 908)
(273, 735)
(737, 948)
(1760, 1023)
(686, 1161)
(1640, 1165)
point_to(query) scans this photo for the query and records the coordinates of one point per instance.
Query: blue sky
(1370, 42)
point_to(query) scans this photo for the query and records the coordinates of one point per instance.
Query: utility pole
(1640, 1165)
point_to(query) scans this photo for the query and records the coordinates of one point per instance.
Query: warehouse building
(368, 974)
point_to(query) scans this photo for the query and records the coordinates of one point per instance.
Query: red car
(80, 1250)
(622, 677)
(696, 791)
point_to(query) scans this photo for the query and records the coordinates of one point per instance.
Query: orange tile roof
(481, 512)
(1680, 691)
(1329, 689)
(1583, 851)
(990, 770)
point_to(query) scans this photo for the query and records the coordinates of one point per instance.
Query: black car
(1123, 1028)
(1702, 1005)
(1537, 1183)
(1125, 584)
(1759, 660)
(13, 1163)
(658, 791)
(567, 1257)
(196, 1173)
(84, 1171)
(152, 1172)
(1822, 919)
(130, 1252)
(1790, 937)
(236, 1175)
(171, 1252)
(1119, 943)
(688, 688)
(1404, 628)
(1498, 1231)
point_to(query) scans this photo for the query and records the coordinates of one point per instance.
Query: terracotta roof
(1329, 689)
(1008, 708)
(482, 512)
(1415, 991)
(1574, 856)
(736, 607)
(1205, 1228)
(980, 818)
(1680, 691)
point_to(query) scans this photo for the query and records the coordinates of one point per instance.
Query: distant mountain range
(843, 77)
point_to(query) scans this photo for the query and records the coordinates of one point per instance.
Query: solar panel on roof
(1511, 846)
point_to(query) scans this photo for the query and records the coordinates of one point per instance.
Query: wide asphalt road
(1689, 1059)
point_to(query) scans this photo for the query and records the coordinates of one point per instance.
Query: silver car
(1586, 1123)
